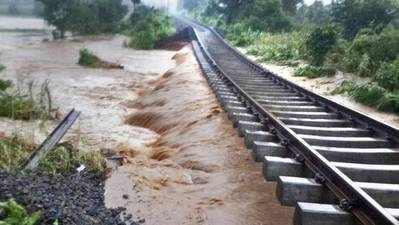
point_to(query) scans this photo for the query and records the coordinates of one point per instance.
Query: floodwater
(183, 162)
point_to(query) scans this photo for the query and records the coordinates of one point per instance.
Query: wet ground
(183, 161)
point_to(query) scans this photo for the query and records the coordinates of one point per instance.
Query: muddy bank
(197, 171)
(325, 85)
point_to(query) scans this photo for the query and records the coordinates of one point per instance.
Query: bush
(368, 94)
(86, 58)
(242, 35)
(314, 72)
(15, 214)
(319, 42)
(389, 102)
(388, 75)
(366, 67)
(278, 47)
(2, 67)
(148, 26)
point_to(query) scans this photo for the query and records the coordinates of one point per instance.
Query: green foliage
(86, 58)
(63, 159)
(278, 47)
(239, 34)
(319, 42)
(16, 214)
(368, 50)
(389, 102)
(355, 15)
(388, 75)
(16, 105)
(2, 67)
(314, 72)
(315, 14)
(368, 94)
(83, 17)
(263, 15)
(148, 26)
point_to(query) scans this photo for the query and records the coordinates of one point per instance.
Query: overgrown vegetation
(64, 158)
(25, 106)
(86, 58)
(146, 27)
(83, 17)
(356, 36)
(16, 214)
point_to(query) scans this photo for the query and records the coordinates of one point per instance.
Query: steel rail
(54, 137)
(364, 207)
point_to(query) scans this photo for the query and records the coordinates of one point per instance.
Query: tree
(290, 6)
(355, 15)
(83, 17)
(319, 42)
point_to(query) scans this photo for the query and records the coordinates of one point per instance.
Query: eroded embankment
(198, 171)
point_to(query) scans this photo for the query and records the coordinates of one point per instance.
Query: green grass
(314, 71)
(14, 152)
(15, 214)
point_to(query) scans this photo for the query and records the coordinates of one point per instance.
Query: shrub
(319, 42)
(366, 67)
(86, 58)
(314, 72)
(368, 94)
(242, 35)
(388, 75)
(278, 47)
(15, 214)
(389, 102)
(2, 67)
(147, 26)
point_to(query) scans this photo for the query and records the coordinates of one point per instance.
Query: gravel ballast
(74, 198)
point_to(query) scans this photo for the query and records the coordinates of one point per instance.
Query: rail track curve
(333, 164)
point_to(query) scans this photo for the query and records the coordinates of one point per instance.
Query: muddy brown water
(184, 163)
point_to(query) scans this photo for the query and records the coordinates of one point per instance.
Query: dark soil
(72, 198)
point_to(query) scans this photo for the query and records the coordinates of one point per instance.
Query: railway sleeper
(316, 122)
(274, 167)
(375, 173)
(260, 149)
(322, 214)
(330, 131)
(346, 142)
(360, 155)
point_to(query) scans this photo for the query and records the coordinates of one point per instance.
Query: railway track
(333, 164)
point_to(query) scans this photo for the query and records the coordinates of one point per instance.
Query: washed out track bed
(333, 164)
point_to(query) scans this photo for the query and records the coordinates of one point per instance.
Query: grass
(88, 59)
(64, 158)
(24, 106)
(15, 214)
(314, 71)
(13, 152)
